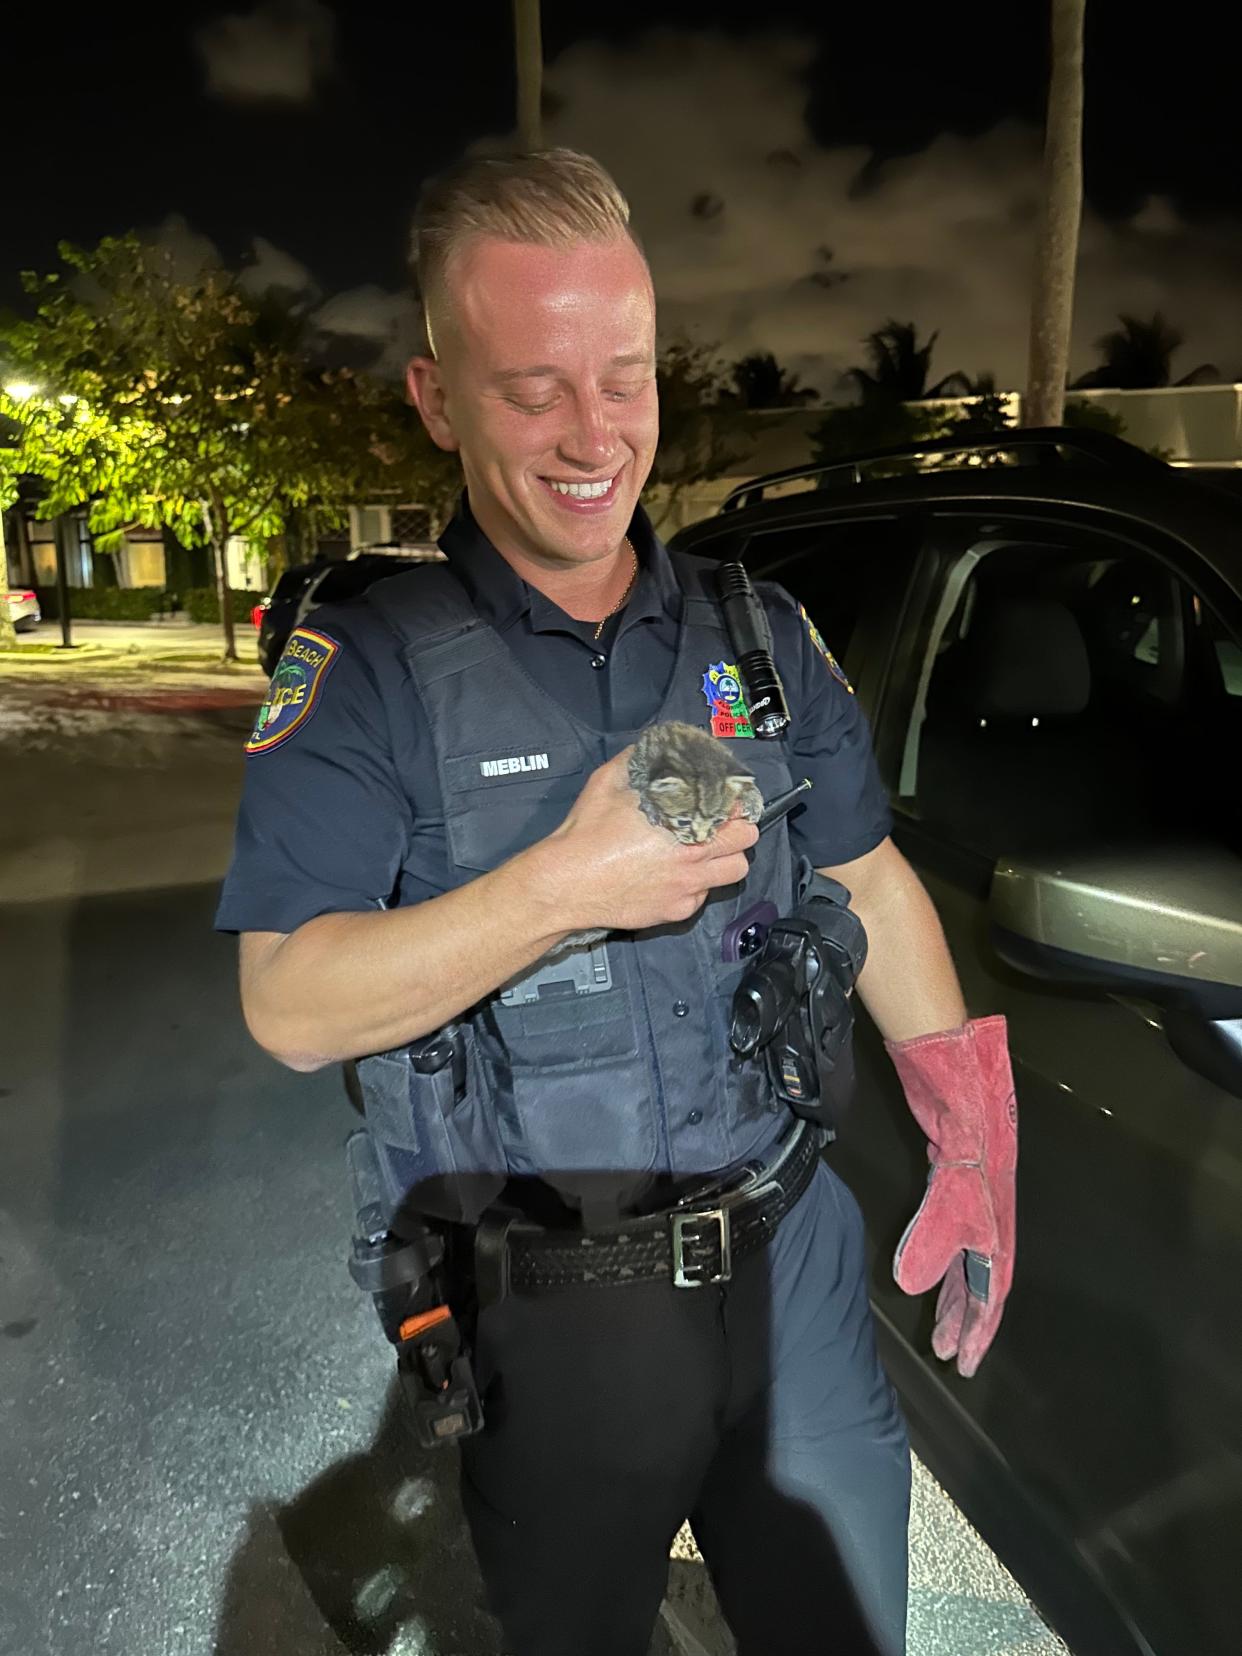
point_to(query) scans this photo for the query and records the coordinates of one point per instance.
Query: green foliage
(1136, 355)
(1089, 416)
(759, 381)
(145, 603)
(898, 367)
(702, 432)
(202, 604)
(164, 401)
(862, 428)
(106, 603)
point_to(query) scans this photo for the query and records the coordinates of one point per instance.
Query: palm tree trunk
(528, 42)
(1056, 253)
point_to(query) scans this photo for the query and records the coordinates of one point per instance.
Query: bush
(144, 603)
(202, 604)
(105, 603)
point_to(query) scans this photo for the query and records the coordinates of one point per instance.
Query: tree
(1139, 354)
(702, 433)
(528, 49)
(160, 401)
(1056, 247)
(867, 427)
(759, 381)
(985, 412)
(898, 367)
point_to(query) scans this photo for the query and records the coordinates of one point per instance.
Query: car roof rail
(1036, 445)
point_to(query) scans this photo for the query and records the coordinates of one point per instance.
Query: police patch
(722, 685)
(817, 638)
(293, 693)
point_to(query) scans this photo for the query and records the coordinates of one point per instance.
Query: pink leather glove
(959, 1086)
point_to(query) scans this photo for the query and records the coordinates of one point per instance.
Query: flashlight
(751, 638)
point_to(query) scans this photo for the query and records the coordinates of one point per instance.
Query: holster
(793, 1003)
(405, 1276)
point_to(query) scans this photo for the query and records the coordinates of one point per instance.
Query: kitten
(688, 782)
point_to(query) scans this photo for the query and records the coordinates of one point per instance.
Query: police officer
(675, 1319)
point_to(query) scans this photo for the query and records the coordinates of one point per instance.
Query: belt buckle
(681, 1268)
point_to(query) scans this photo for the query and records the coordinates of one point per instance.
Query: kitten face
(692, 810)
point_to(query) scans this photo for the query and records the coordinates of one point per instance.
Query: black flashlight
(751, 638)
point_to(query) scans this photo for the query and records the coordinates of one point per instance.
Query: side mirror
(1163, 924)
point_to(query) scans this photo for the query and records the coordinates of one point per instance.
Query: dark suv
(1046, 633)
(326, 581)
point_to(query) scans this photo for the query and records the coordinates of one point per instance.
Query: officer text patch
(294, 691)
(817, 638)
(722, 685)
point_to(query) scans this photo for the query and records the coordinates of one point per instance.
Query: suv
(326, 581)
(1045, 630)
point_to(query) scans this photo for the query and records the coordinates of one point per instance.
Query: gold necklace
(621, 601)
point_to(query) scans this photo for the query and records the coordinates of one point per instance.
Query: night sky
(310, 126)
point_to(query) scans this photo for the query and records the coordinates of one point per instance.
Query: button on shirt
(345, 814)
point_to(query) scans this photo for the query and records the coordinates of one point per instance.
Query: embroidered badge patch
(722, 685)
(293, 693)
(817, 638)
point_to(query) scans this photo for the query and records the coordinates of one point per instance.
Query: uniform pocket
(491, 814)
(573, 1086)
(438, 1154)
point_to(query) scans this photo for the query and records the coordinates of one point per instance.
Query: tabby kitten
(688, 782)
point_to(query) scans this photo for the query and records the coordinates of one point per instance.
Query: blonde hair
(545, 198)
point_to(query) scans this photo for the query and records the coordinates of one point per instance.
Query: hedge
(202, 604)
(143, 603)
(104, 603)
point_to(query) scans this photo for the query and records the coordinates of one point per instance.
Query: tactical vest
(604, 1068)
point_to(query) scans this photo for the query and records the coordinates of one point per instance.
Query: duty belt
(693, 1245)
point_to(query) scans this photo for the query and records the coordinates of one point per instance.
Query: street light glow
(20, 391)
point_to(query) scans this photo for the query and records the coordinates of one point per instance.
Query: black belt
(692, 1245)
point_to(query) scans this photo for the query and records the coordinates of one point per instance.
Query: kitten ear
(743, 779)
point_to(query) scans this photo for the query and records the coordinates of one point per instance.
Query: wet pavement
(200, 1451)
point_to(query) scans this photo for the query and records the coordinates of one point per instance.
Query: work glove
(959, 1086)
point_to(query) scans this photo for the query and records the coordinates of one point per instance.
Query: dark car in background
(325, 581)
(1045, 631)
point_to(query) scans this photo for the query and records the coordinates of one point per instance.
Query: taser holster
(405, 1277)
(793, 1004)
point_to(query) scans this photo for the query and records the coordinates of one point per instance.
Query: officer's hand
(621, 872)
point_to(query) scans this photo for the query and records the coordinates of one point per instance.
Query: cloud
(277, 53)
(750, 225)
(271, 270)
(384, 327)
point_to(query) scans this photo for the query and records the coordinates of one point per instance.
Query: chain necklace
(622, 600)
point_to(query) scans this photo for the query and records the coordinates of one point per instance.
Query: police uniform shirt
(341, 811)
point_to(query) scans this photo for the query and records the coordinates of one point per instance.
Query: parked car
(24, 609)
(1046, 633)
(325, 581)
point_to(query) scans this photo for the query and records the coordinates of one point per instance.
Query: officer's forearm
(909, 984)
(343, 985)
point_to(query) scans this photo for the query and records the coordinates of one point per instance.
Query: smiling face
(545, 385)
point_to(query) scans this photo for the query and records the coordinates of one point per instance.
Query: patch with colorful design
(722, 685)
(293, 693)
(817, 638)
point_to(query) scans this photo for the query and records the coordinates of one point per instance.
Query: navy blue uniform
(345, 813)
(756, 1406)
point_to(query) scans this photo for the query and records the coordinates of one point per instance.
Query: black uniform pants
(756, 1408)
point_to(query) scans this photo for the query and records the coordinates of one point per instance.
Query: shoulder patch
(293, 693)
(817, 638)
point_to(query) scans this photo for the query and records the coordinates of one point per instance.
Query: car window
(1075, 700)
(355, 575)
(835, 570)
(1225, 650)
